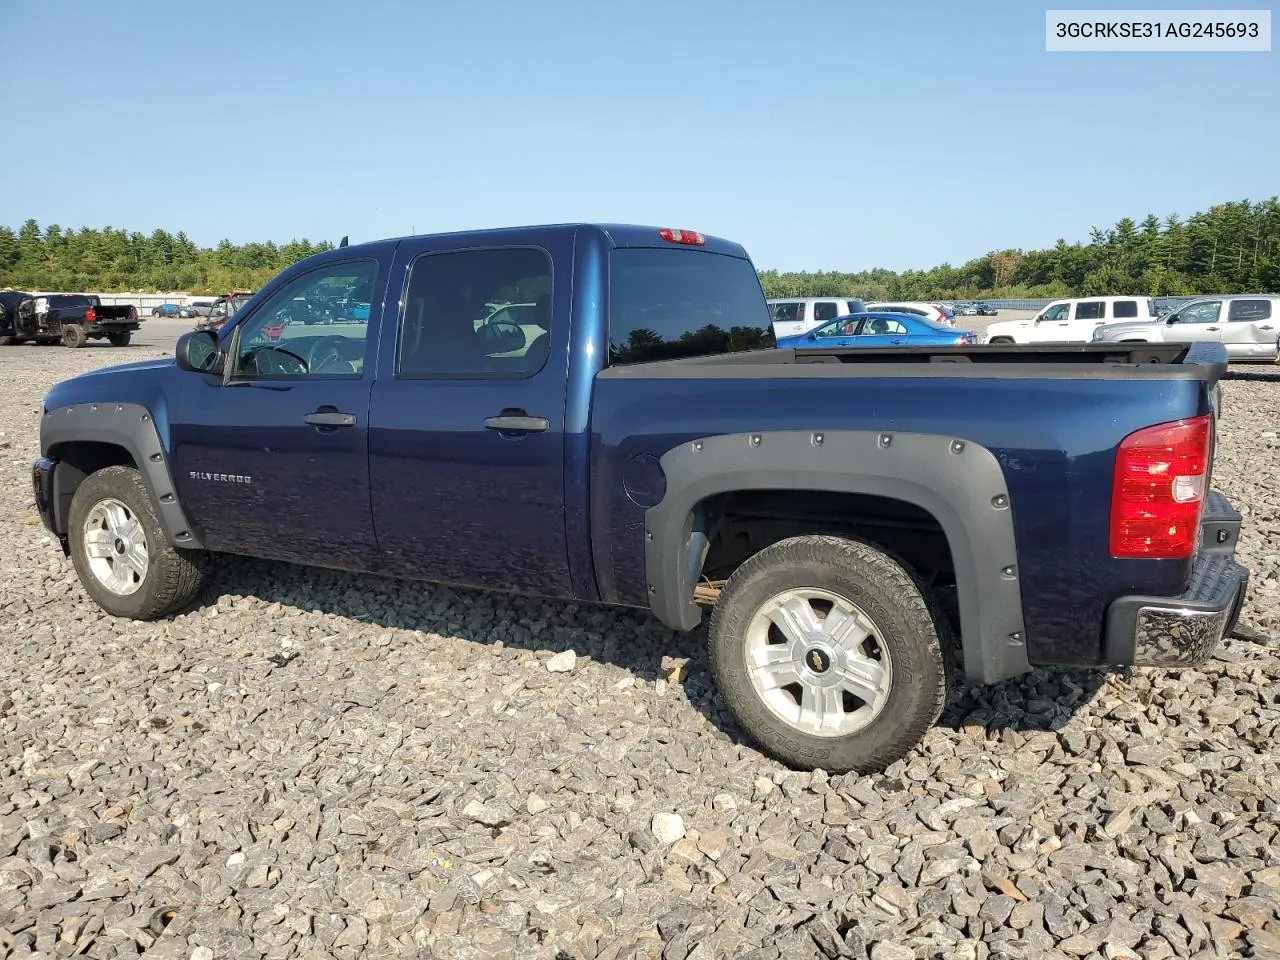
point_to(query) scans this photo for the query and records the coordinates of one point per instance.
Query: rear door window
(1090, 310)
(1244, 311)
(1124, 309)
(825, 310)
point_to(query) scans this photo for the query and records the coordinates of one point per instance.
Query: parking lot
(317, 764)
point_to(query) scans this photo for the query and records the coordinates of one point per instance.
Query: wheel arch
(83, 438)
(959, 483)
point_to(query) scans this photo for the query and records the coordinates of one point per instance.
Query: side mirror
(502, 337)
(1172, 318)
(197, 352)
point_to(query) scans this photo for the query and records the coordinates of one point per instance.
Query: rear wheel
(120, 339)
(123, 559)
(73, 335)
(1001, 340)
(829, 654)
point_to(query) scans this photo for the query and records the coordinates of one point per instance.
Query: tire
(171, 578)
(905, 624)
(9, 341)
(73, 336)
(1002, 340)
(120, 339)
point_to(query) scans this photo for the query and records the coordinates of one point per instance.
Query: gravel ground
(322, 765)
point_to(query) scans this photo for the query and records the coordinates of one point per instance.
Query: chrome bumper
(1183, 631)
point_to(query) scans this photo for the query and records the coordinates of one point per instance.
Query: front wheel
(1001, 340)
(829, 654)
(120, 552)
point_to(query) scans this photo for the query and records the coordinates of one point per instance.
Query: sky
(820, 134)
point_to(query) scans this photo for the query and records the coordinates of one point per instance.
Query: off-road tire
(911, 626)
(174, 576)
(7, 341)
(120, 339)
(73, 336)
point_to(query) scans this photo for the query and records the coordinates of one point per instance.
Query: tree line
(1231, 247)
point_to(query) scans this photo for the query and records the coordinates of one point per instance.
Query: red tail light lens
(1158, 490)
(133, 313)
(91, 315)
(682, 236)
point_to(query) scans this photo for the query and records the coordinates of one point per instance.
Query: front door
(468, 413)
(272, 461)
(1195, 321)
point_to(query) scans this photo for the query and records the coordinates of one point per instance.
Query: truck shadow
(632, 640)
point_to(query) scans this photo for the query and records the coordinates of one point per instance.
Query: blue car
(874, 329)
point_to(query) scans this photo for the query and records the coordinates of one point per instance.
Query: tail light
(91, 315)
(133, 313)
(682, 236)
(1158, 490)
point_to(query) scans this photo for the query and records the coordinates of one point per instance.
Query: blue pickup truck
(637, 439)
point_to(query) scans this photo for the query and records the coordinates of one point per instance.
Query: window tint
(1206, 312)
(825, 310)
(449, 329)
(1055, 314)
(1124, 308)
(305, 328)
(1089, 310)
(1246, 310)
(666, 304)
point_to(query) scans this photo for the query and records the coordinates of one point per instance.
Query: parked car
(167, 310)
(985, 310)
(72, 318)
(1246, 324)
(649, 449)
(222, 310)
(792, 315)
(926, 310)
(879, 330)
(1070, 320)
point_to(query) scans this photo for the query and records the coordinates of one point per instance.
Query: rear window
(1124, 308)
(668, 304)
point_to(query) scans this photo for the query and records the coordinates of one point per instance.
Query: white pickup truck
(1071, 320)
(795, 315)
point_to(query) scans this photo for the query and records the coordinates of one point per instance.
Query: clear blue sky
(822, 135)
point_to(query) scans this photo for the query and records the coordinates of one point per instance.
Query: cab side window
(476, 314)
(1055, 314)
(1090, 310)
(305, 329)
(1206, 312)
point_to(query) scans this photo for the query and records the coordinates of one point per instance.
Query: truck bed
(1160, 360)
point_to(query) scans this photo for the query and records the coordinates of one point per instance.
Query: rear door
(1250, 328)
(467, 416)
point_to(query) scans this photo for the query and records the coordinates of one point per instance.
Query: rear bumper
(1183, 631)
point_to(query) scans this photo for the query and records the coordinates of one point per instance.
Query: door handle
(1211, 328)
(330, 418)
(1266, 327)
(517, 422)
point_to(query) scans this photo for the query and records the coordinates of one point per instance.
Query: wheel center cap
(119, 545)
(819, 661)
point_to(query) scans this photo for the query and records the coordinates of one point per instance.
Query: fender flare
(959, 482)
(130, 427)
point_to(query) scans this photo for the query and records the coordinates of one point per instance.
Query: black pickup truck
(638, 440)
(73, 318)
